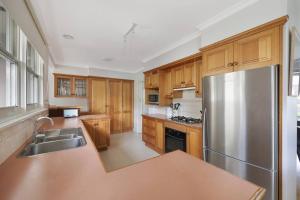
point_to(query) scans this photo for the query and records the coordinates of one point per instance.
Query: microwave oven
(153, 98)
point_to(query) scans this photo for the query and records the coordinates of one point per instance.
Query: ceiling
(98, 27)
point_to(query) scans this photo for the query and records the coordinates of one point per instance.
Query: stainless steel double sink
(54, 140)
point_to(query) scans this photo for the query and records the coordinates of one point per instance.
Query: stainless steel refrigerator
(240, 122)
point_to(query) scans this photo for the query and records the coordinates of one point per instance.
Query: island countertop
(78, 173)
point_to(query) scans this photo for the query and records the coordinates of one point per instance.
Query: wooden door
(189, 74)
(168, 84)
(102, 134)
(154, 79)
(194, 141)
(147, 80)
(199, 71)
(177, 75)
(160, 136)
(259, 50)
(127, 102)
(115, 105)
(218, 60)
(98, 96)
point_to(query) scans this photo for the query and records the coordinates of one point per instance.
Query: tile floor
(125, 149)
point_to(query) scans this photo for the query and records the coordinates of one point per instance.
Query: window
(21, 70)
(34, 71)
(9, 83)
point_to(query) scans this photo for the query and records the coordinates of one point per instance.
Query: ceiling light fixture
(68, 37)
(130, 31)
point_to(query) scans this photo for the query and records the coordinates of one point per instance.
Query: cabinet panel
(147, 80)
(199, 72)
(178, 76)
(261, 49)
(154, 79)
(115, 105)
(189, 74)
(195, 142)
(218, 60)
(98, 96)
(80, 87)
(127, 117)
(102, 134)
(63, 86)
(160, 135)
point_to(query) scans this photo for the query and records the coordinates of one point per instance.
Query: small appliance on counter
(71, 112)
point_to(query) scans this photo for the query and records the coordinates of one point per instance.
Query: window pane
(30, 57)
(9, 83)
(13, 38)
(3, 23)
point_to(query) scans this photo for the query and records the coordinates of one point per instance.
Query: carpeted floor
(125, 149)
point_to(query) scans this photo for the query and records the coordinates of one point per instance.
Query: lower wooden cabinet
(99, 131)
(153, 135)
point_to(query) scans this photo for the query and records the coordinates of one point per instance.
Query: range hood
(187, 88)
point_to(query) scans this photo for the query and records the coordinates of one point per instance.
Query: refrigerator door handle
(204, 133)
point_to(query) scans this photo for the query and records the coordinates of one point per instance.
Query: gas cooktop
(186, 120)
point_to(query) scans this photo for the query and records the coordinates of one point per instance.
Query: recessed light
(68, 37)
(107, 59)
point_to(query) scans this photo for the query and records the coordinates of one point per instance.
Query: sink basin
(55, 141)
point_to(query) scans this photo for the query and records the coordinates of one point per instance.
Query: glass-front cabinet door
(70, 86)
(63, 86)
(80, 87)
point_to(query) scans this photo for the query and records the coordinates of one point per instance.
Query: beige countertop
(165, 118)
(78, 173)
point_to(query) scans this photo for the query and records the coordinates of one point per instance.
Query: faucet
(35, 131)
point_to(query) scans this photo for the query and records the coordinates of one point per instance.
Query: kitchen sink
(55, 140)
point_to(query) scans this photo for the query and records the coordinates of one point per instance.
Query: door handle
(204, 133)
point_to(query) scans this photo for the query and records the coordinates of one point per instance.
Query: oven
(174, 140)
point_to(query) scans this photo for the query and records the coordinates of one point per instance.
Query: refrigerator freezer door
(241, 115)
(259, 176)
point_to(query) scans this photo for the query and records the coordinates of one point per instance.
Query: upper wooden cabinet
(199, 73)
(70, 86)
(184, 75)
(257, 47)
(261, 49)
(218, 60)
(152, 79)
(189, 74)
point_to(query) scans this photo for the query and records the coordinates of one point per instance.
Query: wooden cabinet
(152, 79)
(153, 135)
(218, 60)
(199, 73)
(127, 105)
(115, 105)
(194, 142)
(160, 136)
(113, 97)
(98, 96)
(70, 86)
(259, 50)
(258, 47)
(189, 74)
(99, 131)
(178, 77)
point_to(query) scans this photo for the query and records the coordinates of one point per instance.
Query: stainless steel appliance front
(240, 112)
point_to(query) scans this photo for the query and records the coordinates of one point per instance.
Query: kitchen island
(79, 174)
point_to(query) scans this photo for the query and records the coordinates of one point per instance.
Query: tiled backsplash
(12, 137)
(190, 106)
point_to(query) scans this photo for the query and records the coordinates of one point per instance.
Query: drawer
(149, 122)
(149, 139)
(149, 131)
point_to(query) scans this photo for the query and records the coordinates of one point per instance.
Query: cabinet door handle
(230, 65)
(235, 63)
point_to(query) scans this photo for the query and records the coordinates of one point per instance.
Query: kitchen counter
(165, 118)
(78, 173)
